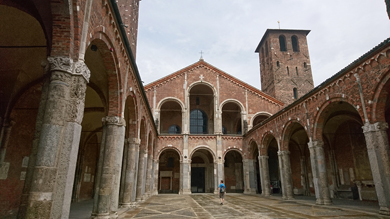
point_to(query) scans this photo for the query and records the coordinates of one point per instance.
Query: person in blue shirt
(222, 189)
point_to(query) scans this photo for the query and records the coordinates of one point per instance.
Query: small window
(174, 129)
(295, 45)
(277, 64)
(296, 70)
(288, 71)
(295, 91)
(282, 43)
(305, 65)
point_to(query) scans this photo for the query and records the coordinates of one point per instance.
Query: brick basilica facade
(78, 124)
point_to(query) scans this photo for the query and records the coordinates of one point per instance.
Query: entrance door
(197, 179)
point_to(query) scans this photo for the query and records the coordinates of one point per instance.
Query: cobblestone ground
(238, 206)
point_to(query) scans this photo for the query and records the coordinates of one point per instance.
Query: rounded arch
(201, 83)
(167, 99)
(323, 114)
(282, 43)
(104, 64)
(131, 115)
(289, 128)
(232, 101)
(380, 98)
(261, 114)
(169, 148)
(239, 150)
(265, 142)
(205, 147)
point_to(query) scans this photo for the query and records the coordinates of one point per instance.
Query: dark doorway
(197, 179)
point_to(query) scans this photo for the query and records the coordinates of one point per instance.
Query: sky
(172, 33)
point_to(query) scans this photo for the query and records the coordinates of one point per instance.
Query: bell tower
(285, 71)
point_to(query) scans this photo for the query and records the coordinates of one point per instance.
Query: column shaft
(130, 177)
(264, 175)
(285, 170)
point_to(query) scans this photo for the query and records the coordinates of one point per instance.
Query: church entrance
(202, 172)
(198, 180)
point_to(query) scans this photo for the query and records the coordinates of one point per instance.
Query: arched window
(174, 129)
(295, 91)
(296, 70)
(282, 43)
(305, 65)
(277, 64)
(288, 71)
(295, 45)
(198, 122)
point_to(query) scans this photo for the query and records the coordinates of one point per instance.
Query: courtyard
(239, 206)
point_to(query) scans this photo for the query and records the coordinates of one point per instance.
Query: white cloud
(173, 32)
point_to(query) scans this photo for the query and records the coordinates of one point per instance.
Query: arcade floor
(239, 206)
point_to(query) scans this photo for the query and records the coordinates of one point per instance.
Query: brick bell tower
(285, 69)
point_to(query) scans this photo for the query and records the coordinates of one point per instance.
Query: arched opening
(231, 118)
(202, 172)
(295, 43)
(345, 149)
(201, 110)
(259, 118)
(21, 79)
(170, 118)
(299, 158)
(169, 172)
(295, 93)
(273, 165)
(282, 43)
(233, 170)
(256, 168)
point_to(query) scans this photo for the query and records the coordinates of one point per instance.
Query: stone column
(185, 177)
(250, 176)
(264, 176)
(285, 170)
(155, 177)
(149, 171)
(318, 165)
(304, 181)
(218, 164)
(49, 183)
(130, 173)
(379, 156)
(142, 164)
(110, 164)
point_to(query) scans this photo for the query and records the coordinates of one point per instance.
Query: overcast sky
(172, 33)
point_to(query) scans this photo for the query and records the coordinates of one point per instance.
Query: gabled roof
(220, 72)
(278, 31)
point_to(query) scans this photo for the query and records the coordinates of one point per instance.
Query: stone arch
(170, 148)
(166, 99)
(207, 148)
(233, 170)
(131, 115)
(232, 101)
(232, 149)
(322, 115)
(201, 83)
(265, 141)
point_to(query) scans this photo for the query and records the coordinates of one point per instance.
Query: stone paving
(242, 206)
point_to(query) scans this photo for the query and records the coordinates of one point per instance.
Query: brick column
(109, 168)
(379, 156)
(130, 173)
(49, 183)
(318, 166)
(264, 175)
(285, 170)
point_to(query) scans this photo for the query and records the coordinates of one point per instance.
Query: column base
(185, 192)
(384, 211)
(250, 192)
(112, 215)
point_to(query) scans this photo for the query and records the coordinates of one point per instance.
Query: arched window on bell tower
(295, 91)
(282, 43)
(295, 44)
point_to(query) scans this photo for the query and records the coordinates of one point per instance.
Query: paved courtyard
(247, 206)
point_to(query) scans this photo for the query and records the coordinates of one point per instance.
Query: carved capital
(282, 153)
(113, 120)
(314, 144)
(379, 126)
(66, 64)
